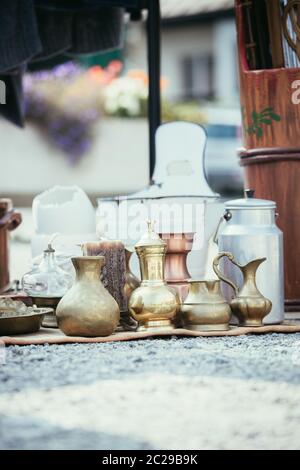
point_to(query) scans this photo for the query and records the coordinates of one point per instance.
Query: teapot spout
(250, 268)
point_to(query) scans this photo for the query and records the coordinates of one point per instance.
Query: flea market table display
(83, 286)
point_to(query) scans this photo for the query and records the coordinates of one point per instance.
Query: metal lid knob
(249, 193)
(150, 238)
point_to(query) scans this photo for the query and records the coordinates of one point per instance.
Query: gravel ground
(188, 393)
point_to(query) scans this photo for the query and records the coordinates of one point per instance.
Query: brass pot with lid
(154, 305)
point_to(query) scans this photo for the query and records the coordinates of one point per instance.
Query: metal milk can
(248, 230)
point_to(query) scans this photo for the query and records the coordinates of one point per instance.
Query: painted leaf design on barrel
(264, 117)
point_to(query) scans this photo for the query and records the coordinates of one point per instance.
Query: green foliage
(266, 116)
(189, 111)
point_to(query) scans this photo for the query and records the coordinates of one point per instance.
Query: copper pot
(176, 273)
(9, 220)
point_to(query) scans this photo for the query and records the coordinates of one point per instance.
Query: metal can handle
(226, 216)
(220, 275)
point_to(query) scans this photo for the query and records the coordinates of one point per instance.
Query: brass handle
(218, 272)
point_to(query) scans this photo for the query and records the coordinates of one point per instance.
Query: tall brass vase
(88, 309)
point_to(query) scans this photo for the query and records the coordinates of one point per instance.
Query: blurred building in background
(88, 127)
(199, 66)
(198, 49)
(199, 62)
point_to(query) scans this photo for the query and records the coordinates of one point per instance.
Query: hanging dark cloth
(77, 27)
(55, 31)
(32, 31)
(100, 30)
(19, 36)
(13, 110)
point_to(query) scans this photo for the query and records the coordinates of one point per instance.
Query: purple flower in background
(64, 104)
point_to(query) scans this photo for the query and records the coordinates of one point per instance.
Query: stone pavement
(187, 393)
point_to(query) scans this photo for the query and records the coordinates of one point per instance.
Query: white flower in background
(125, 96)
(131, 104)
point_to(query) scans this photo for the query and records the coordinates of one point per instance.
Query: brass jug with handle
(248, 305)
(205, 308)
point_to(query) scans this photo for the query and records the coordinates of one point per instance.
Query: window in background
(198, 77)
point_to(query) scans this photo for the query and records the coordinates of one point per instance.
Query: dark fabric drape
(32, 31)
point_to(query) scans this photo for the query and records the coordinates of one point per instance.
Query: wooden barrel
(271, 153)
(9, 220)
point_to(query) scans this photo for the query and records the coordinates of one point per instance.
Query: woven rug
(55, 336)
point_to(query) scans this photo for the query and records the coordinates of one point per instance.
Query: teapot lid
(150, 238)
(249, 202)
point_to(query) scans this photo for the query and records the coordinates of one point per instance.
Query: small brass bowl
(20, 325)
(50, 320)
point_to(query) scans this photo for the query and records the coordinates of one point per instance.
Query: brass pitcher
(127, 323)
(88, 309)
(153, 305)
(205, 308)
(248, 305)
(131, 281)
